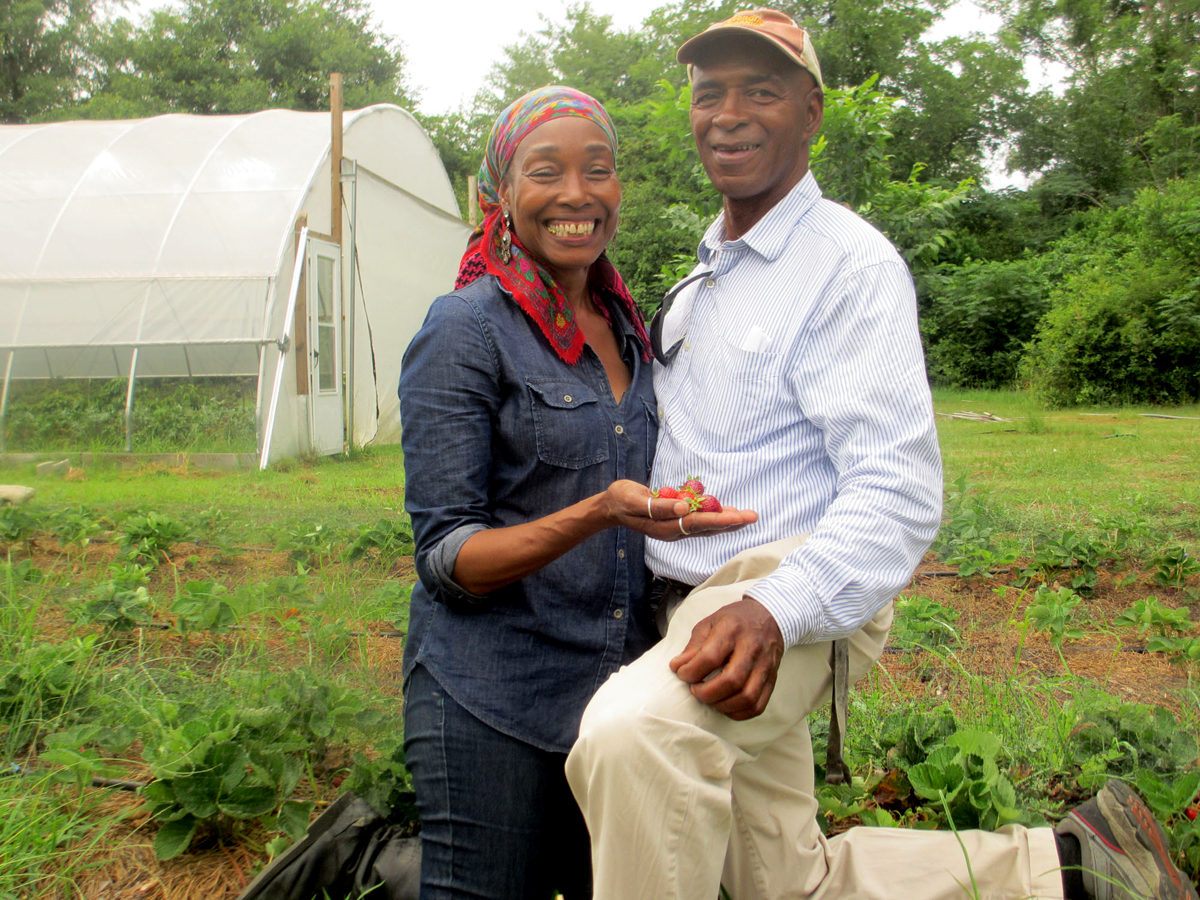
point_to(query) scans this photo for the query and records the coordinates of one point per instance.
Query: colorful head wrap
(531, 286)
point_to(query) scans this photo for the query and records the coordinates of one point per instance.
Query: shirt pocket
(569, 423)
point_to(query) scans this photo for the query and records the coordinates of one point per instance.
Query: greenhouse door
(324, 347)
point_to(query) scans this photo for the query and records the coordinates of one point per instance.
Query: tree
(585, 53)
(236, 56)
(1133, 63)
(43, 60)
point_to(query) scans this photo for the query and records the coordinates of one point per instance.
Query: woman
(529, 430)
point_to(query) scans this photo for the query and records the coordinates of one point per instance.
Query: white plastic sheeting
(176, 235)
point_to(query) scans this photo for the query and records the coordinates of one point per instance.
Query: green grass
(1054, 471)
(1072, 470)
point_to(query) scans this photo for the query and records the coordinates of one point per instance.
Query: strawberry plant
(117, 607)
(205, 769)
(1151, 615)
(963, 775)
(18, 524)
(1124, 737)
(204, 605)
(1053, 611)
(386, 539)
(76, 527)
(306, 544)
(923, 623)
(149, 537)
(1175, 566)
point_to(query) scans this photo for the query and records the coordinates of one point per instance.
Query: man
(792, 383)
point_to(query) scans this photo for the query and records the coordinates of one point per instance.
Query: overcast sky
(449, 65)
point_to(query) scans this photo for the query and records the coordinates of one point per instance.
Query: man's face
(753, 113)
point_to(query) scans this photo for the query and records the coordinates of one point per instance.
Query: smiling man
(792, 382)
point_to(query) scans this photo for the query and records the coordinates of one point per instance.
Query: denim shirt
(498, 431)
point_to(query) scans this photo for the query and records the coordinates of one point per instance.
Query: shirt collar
(770, 234)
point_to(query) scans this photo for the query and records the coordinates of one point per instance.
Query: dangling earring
(506, 237)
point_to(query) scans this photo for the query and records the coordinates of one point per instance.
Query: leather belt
(665, 595)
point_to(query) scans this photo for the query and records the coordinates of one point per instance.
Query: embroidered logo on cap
(744, 19)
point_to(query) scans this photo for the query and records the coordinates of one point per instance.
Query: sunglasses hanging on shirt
(656, 322)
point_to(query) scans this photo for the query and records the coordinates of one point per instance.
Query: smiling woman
(529, 431)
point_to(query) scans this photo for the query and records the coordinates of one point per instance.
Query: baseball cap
(768, 24)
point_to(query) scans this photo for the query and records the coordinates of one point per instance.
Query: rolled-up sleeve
(449, 395)
(862, 382)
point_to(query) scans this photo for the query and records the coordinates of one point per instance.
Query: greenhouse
(196, 246)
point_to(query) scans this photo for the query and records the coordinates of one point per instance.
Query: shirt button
(687, 345)
(618, 613)
(660, 412)
(619, 430)
(567, 398)
(620, 554)
(711, 283)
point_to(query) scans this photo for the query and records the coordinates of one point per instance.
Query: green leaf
(173, 837)
(228, 762)
(159, 792)
(198, 793)
(293, 818)
(249, 801)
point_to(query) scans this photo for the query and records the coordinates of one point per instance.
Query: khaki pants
(680, 799)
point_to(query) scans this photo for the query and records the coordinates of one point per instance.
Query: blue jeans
(498, 821)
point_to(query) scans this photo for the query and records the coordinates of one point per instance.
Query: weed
(966, 540)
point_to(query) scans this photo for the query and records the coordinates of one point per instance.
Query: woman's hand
(631, 505)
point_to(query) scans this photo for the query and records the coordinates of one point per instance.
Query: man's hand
(743, 645)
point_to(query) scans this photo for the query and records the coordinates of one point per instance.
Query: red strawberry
(708, 503)
(666, 493)
(1192, 812)
(694, 485)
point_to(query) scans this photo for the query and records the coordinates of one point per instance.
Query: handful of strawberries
(692, 491)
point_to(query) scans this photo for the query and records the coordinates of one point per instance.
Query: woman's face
(563, 193)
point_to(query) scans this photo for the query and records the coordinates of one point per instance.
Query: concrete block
(59, 467)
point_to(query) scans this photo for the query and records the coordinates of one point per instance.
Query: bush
(1124, 324)
(979, 319)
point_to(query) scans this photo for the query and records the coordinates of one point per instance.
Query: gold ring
(682, 530)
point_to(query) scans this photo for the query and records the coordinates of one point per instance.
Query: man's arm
(862, 381)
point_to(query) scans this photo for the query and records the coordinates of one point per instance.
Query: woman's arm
(491, 559)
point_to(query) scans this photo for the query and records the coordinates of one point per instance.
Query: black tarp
(350, 851)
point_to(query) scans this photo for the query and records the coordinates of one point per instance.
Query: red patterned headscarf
(531, 286)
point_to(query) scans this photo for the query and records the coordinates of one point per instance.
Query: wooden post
(300, 324)
(473, 200)
(335, 158)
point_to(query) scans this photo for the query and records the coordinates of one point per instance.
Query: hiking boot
(1126, 854)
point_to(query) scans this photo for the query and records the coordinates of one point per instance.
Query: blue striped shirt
(799, 391)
